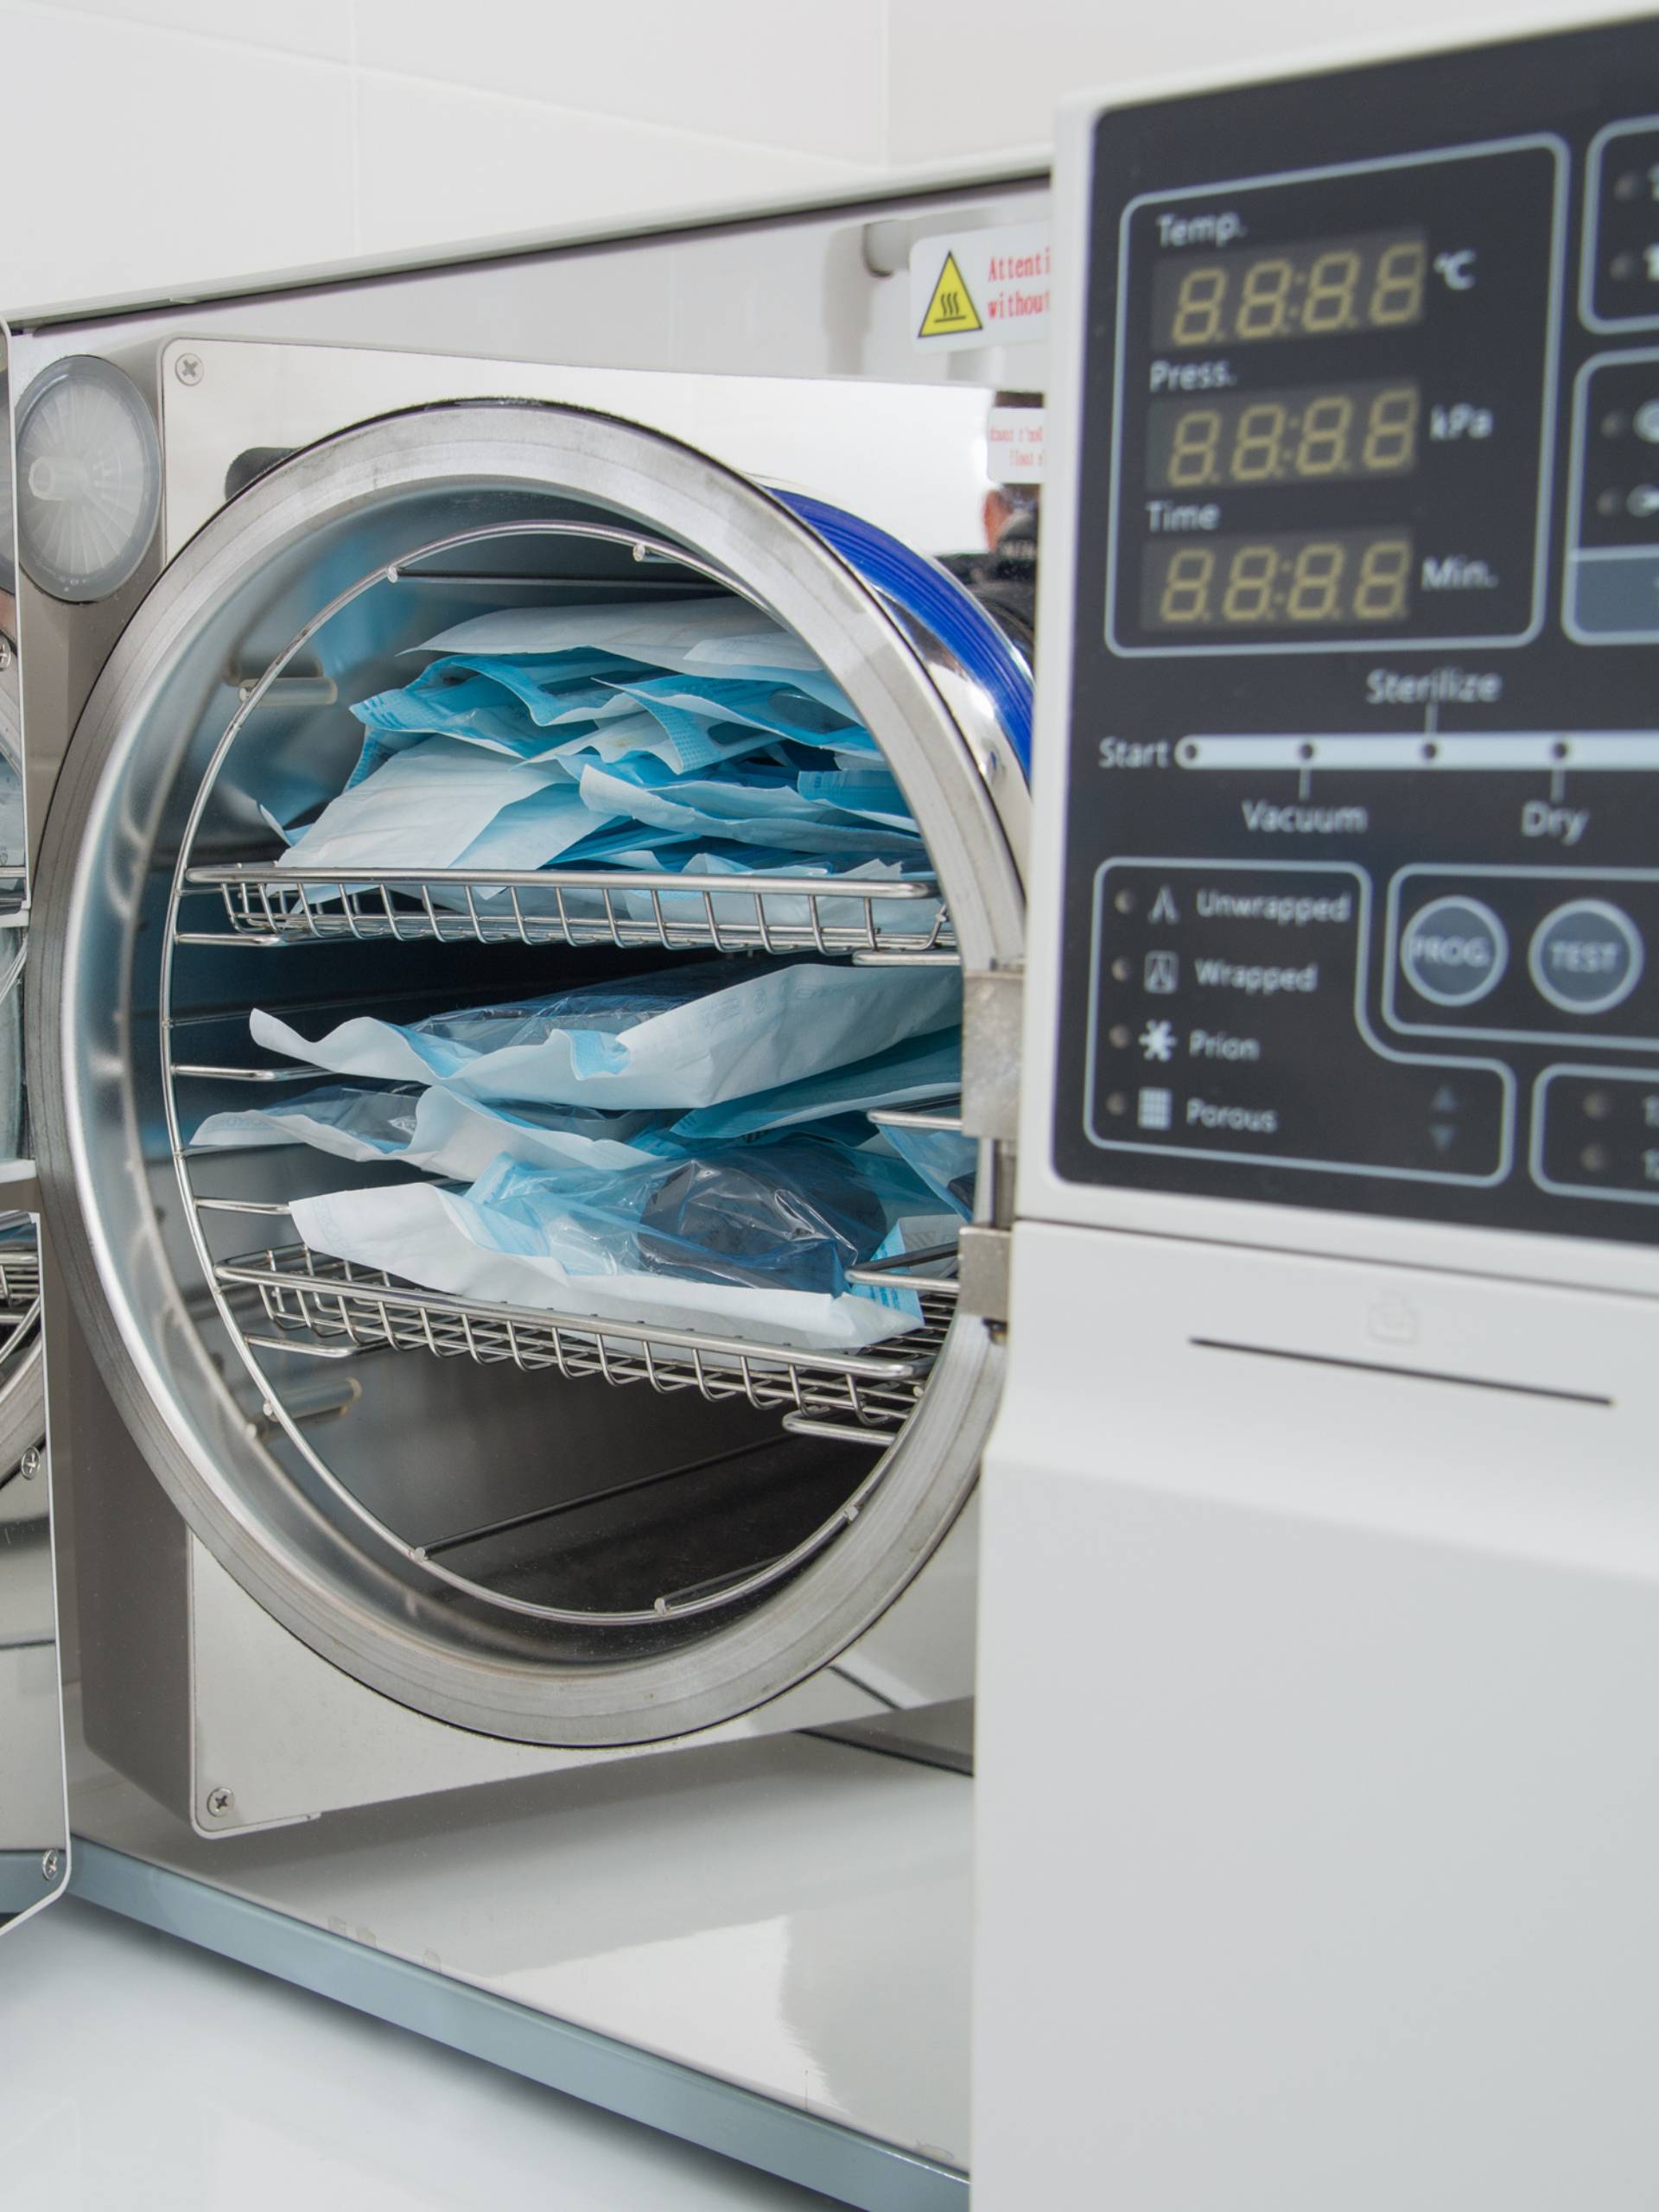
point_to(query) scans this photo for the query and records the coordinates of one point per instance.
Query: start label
(981, 287)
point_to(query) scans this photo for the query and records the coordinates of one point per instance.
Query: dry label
(981, 287)
(1013, 445)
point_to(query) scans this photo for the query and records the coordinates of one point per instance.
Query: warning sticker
(951, 308)
(981, 287)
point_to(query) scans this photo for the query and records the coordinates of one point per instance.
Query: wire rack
(326, 1308)
(20, 1294)
(262, 904)
(20, 1282)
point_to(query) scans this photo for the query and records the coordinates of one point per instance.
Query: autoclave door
(993, 877)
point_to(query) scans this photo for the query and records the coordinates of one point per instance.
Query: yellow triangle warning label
(951, 309)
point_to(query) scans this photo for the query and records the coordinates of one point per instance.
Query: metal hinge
(982, 1256)
(993, 1014)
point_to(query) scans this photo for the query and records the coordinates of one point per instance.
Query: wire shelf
(332, 1309)
(262, 903)
(20, 1283)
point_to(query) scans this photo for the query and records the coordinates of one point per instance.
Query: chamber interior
(604, 1494)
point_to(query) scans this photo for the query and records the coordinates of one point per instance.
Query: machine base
(762, 1950)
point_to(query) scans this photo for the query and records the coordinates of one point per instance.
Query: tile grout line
(356, 111)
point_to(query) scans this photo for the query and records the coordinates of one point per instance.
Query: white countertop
(143, 2073)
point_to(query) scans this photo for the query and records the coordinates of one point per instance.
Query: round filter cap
(89, 479)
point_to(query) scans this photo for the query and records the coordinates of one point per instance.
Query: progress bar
(1547, 751)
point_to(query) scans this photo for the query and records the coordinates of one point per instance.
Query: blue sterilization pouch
(684, 1036)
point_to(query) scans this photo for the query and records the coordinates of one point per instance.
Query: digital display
(1298, 581)
(1319, 288)
(1312, 433)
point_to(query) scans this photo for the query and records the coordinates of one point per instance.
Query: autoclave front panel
(1361, 905)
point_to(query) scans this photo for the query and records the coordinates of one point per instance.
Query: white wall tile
(980, 76)
(185, 159)
(322, 28)
(441, 164)
(807, 75)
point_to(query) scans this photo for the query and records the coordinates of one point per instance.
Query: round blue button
(1586, 956)
(1454, 951)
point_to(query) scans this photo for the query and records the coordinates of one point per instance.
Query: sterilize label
(981, 287)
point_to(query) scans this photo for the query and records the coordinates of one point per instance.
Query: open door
(34, 1813)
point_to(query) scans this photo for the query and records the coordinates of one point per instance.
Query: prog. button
(1586, 956)
(1454, 951)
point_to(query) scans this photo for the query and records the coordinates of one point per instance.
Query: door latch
(993, 1013)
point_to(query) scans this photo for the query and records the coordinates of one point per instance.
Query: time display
(1297, 581)
(1316, 434)
(1319, 288)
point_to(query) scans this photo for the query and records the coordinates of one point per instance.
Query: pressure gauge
(88, 479)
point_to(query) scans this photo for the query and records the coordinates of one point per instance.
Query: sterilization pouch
(427, 804)
(457, 1138)
(788, 1213)
(424, 1233)
(711, 636)
(946, 1161)
(687, 1036)
(748, 805)
(526, 706)
(532, 710)
(919, 1069)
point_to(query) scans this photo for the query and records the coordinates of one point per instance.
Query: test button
(1586, 956)
(1454, 951)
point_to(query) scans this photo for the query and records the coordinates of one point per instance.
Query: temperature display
(1317, 289)
(1298, 580)
(1319, 433)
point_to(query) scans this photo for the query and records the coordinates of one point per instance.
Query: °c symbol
(1457, 270)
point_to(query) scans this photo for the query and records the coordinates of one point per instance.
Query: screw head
(220, 1801)
(5, 653)
(188, 369)
(51, 1865)
(30, 1466)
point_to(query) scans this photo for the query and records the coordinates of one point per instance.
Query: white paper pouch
(682, 1038)
(433, 1130)
(420, 1232)
(425, 806)
(715, 632)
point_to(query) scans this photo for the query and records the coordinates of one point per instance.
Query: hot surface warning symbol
(951, 309)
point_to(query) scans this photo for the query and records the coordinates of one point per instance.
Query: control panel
(1361, 894)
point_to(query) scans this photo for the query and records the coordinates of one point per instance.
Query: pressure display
(1315, 287)
(1335, 414)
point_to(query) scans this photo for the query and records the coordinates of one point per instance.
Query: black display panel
(1361, 902)
(1423, 409)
